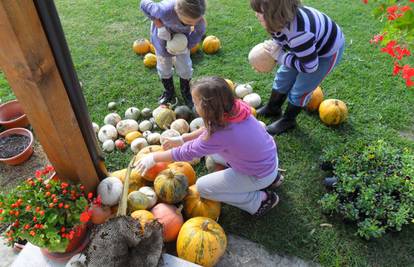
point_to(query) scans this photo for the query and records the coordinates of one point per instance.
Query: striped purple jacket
(311, 35)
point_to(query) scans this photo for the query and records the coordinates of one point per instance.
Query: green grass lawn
(100, 35)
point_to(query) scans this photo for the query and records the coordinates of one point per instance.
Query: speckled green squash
(171, 186)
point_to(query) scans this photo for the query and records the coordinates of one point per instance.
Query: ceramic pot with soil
(12, 115)
(16, 146)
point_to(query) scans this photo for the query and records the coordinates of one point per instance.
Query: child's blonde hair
(216, 100)
(191, 8)
(276, 13)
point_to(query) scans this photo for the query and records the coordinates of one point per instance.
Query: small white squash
(195, 161)
(112, 118)
(138, 144)
(196, 124)
(150, 193)
(108, 146)
(95, 127)
(112, 105)
(260, 59)
(146, 112)
(253, 99)
(180, 126)
(126, 126)
(154, 139)
(168, 133)
(146, 134)
(243, 89)
(132, 113)
(107, 132)
(110, 190)
(145, 125)
(177, 44)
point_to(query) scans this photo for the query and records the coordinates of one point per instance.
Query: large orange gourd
(171, 219)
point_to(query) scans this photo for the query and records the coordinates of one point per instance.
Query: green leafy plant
(375, 188)
(45, 212)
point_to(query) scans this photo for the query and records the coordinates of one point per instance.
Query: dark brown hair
(276, 13)
(191, 8)
(216, 99)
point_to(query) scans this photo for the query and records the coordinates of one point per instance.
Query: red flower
(16, 213)
(64, 185)
(51, 205)
(98, 201)
(49, 168)
(377, 38)
(26, 227)
(32, 233)
(407, 73)
(28, 208)
(47, 194)
(42, 213)
(90, 195)
(38, 173)
(1, 211)
(60, 205)
(366, 1)
(55, 200)
(63, 229)
(35, 219)
(389, 48)
(85, 216)
(67, 206)
(48, 186)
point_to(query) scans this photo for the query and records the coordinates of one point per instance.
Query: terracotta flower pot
(75, 246)
(26, 153)
(12, 115)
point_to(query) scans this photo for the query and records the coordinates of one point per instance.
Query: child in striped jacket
(307, 45)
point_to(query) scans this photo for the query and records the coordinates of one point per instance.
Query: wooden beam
(29, 65)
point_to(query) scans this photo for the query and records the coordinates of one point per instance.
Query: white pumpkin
(168, 133)
(180, 126)
(243, 89)
(146, 134)
(110, 190)
(107, 132)
(195, 161)
(154, 139)
(253, 99)
(138, 144)
(126, 126)
(146, 112)
(112, 118)
(108, 146)
(156, 111)
(210, 164)
(196, 124)
(177, 44)
(132, 113)
(150, 194)
(145, 125)
(260, 59)
(263, 124)
(95, 127)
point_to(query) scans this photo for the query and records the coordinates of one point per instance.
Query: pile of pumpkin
(210, 45)
(167, 193)
(141, 128)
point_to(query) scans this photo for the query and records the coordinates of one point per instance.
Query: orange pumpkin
(149, 149)
(186, 169)
(230, 83)
(100, 213)
(141, 46)
(159, 166)
(195, 206)
(211, 44)
(171, 219)
(316, 100)
(143, 216)
(253, 110)
(171, 186)
(202, 241)
(194, 49)
(333, 112)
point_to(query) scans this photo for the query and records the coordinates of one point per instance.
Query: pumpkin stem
(205, 224)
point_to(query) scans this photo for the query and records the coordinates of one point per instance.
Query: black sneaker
(271, 201)
(277, 183)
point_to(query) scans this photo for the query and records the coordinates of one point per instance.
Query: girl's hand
(171, 142)
(164, 34)
(272, 48)
(145, 164)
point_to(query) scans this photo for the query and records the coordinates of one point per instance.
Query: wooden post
(29, 65)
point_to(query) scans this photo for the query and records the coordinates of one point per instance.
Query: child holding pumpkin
(236, 139)
(307, 44)
(171, 17)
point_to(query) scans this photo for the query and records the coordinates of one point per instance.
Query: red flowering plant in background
(397, 36)
(44, 211)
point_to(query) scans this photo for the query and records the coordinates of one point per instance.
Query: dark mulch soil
(13, 145)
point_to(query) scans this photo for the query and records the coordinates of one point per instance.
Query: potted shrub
(12, 115)
(48, 213)
(16, 146)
